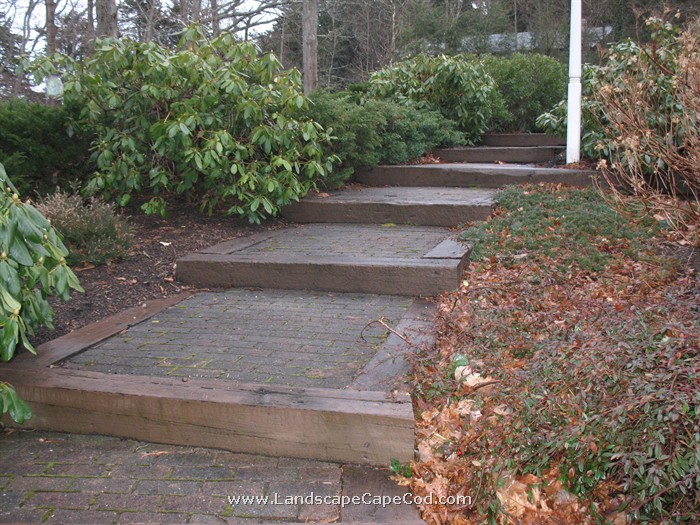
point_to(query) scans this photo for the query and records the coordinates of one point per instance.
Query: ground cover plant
(210, 121)
(564, 386)
(32, 268)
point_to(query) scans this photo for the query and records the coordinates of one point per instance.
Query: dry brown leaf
(518, 497)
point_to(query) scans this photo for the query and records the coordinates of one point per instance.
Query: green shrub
(410, 132)
(32, 268)
(92, 231)
(460, 89)
(211, 120)
(39, 146)
(527, 86)
(378, 131)
(651, 70)
(554, 121)
(356, 131)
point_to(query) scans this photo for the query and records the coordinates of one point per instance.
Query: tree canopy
(354, 37)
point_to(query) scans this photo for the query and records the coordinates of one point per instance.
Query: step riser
(447, 215)
(302, 423)
(466, 177)
(411, 278)
(504, 140)
(491, 154)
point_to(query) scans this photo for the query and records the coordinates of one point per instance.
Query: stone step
(527, 154)
(382, 259)
(471, 175)
(311, 375)
(522, 139)
(418, 206)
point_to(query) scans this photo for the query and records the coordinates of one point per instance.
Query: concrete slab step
(419, 206)
(471, 175)
(382, 259)
(308, 375)
(524, 154)
(522, 139)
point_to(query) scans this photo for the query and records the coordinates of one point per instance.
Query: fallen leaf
(517, 497)
(463, 371)
(503, 410)
(425, 452)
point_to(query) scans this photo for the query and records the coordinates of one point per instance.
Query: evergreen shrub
(372, 132)
(527, 85)
(460, 89)
(210, 120)
(40, 147)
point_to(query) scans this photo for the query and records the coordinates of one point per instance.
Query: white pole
(573, 121)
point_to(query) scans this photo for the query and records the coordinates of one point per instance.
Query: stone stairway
(304, 354)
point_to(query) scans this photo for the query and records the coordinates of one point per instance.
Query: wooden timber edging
(462, 175)
(423, 277)
(522, 140)
(313, 423)
(499, 154)
(67, 345)
(424, 210)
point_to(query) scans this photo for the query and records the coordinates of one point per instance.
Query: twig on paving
(383, 323)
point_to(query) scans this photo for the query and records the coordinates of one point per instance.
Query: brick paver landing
(304, 339)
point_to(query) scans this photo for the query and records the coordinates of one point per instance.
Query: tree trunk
(215, 24)
(50, 26)
(310, 38)
(150, 15)
(196, 11)
(91, 19)
(106, 18)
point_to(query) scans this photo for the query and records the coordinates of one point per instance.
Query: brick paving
(351, 240)
(302, 339)
(48, 477)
